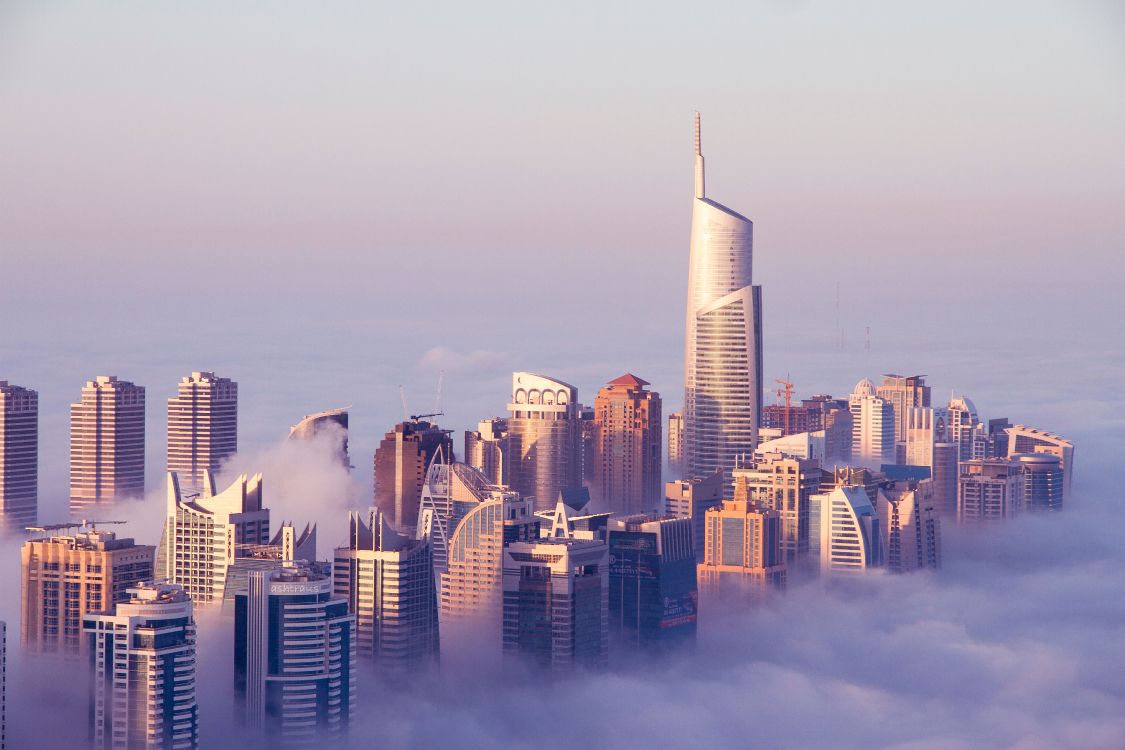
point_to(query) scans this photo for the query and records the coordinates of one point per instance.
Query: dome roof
(864, 388)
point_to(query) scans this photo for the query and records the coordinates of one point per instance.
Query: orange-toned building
(627, 448)
(742, 553)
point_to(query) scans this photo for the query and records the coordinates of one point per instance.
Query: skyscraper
(961, 420)
(652, 588)
(910, 525)
(556, 602)
(676, 443)
(783, 483)
(1043, 481)
(989, 489)
(107, 442)
(333, 422)
(3, 685)
(202, 426)
(294, 656)
(19, 457)
(904, 392)
(723, 347)
(924, 430)
(142, 656)
(202, 533)
(65, 577)
(387, 579)
(627, 460)
(847, 534)
(945, 478)
(401, 462)
(742, 553)
(692, 498)
(486, 449)
(544, 437)
(1024, 439)
(873, 426)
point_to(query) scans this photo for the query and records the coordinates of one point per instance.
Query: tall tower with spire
(723, 346)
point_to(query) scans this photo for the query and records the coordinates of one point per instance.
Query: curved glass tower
(723, 351)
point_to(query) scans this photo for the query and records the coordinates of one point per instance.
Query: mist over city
(726, 375)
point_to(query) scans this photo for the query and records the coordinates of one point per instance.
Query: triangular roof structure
(628, 379)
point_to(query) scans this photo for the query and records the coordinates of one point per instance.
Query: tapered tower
(723, 347)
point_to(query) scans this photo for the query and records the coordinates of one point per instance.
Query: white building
(143, 659)
(873, 427)
(202, 426)
(202, 533)
(1023, 439)
(923, 432)
(723, 346)
(847, 534)
(798, 445)
(989, 489)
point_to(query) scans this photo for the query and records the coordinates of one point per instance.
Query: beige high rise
(64, 577)
(544, 436)
(107, 443)
(783, 483)
(19, 456)
(627, 447)
(904, 392)
(742, 552)
(202, 426)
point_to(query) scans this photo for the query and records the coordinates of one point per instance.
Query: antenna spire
(700, 190)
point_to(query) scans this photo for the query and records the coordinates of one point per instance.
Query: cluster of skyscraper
(554, 537)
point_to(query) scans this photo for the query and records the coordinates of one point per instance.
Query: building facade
(692, 498)
(486, 449)
(784, 484)
(294, 657)
(142, 658)
(107, 443)
(989, 489)
(873, 427)
(203, 533)
(63, 578)
(628, 438)
(904, 392)
(1043, 481)
(742, 552)
(19, 457)
(202, 426)
(653, 601)
(944, 474)
(556, 603)
(676, 443)
(847, 536)
(401, 462)
(387, 579)
(1022, 439)
(723, 347)
(544, 434)
(910, 524)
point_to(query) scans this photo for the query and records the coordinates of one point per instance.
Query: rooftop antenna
(700, 189)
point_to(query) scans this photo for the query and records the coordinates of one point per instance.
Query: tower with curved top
(723, 347)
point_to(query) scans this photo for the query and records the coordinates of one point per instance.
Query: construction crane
(83, 524)
(786, 392)
(416, 417)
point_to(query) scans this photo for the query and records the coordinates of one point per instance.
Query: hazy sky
(327, 200)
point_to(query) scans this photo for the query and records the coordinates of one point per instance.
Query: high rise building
(1043, 481)
(202, 533)
(142, 658)
(652, 588)
(285, 547)
(19, 457)
(486, 449)
(1024, 439)
(742, 552)
(961, 421)
(723, 348)
(904, 392)
(333, 423)
(676, 443)
(784, 484)
(401, 462)
(923, 433)
(107, 443)
(472, 585)
(692, 498)
(66, 577)
(294, 656)
(587, 443)
(202, 426)
(846, 533)
(627, 461)
(989, 489)
(544, 436)
(945, 478)
(873, 426)
(450, 491)
(387, 579)
(556, 602)
(910, 525)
